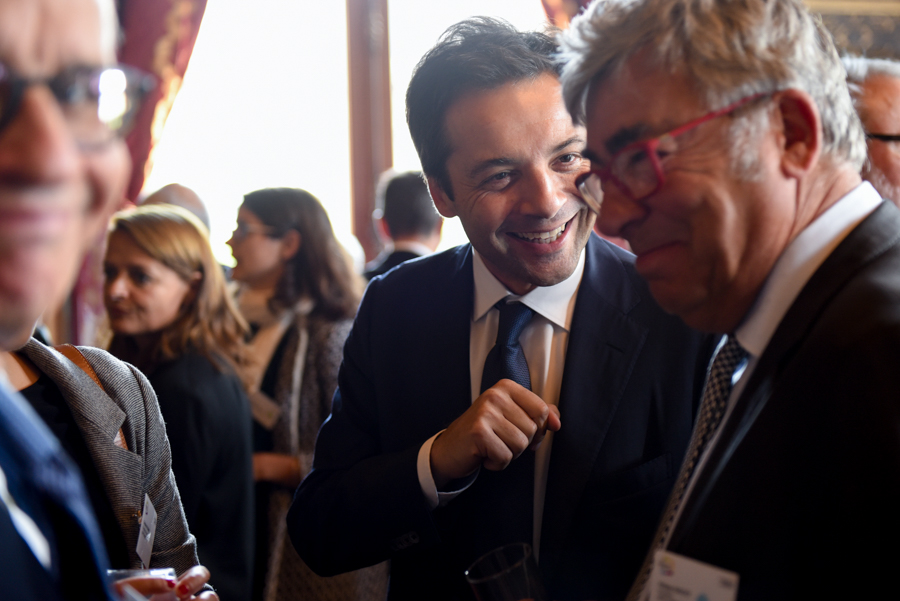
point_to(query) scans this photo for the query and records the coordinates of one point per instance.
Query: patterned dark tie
(510, 491)
(507, 359)
(712, 408)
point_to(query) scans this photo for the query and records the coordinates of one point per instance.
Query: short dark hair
(480, 53)
(406, 205)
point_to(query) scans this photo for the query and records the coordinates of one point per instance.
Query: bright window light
(264, 102)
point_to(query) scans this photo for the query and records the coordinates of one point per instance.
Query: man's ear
(290, 244)
(384, 230)
(442, 202)
(801, 141)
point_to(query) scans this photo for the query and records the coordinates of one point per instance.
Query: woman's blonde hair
(209, 322)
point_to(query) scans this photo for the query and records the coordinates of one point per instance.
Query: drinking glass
(509, 573)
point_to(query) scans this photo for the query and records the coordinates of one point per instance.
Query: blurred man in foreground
(726, 150)
(63, 169)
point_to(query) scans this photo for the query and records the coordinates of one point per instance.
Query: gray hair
(861, 68)
(729, 49)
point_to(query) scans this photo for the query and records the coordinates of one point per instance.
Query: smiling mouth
(542, 237)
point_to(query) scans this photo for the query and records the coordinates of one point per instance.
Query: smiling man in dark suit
(728, 153)
(427, 457)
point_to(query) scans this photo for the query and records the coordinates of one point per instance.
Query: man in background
(458, 363)
(408, 219)
(875, 87)
(180, 196)
(725, 148)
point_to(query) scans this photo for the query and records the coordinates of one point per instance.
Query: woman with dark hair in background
(173, 318)
(299, 293)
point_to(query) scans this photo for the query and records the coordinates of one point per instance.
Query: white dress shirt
(411, 246)
(544, 343)
(793, 269)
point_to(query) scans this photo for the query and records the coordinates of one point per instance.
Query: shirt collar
(412, 246)
(796, 265)
(553, 302)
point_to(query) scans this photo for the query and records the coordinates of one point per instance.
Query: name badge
(679, 578)
(148, 532)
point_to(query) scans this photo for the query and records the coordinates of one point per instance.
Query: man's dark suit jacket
(629, 393)
(47, 486)
(802, 499)
(384, 264)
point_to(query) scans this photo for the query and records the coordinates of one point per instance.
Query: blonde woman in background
(299, 293)
(173, 318)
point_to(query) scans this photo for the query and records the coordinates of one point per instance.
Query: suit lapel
(99, 418)
(604, 343)
(444, 320)
(879, 232)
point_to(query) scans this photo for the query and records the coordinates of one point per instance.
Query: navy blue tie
(511, 491)
(507, 359)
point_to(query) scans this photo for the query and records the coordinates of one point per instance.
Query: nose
(37, 146)
(618, 211)
(545, 192)
(116, 287)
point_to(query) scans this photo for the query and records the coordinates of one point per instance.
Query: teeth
(543, 237)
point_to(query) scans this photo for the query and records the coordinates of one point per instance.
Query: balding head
(180, 196)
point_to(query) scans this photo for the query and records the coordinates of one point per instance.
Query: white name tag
(679, 578)
(148, 532)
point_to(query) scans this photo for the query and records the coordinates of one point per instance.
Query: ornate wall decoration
(867, 27)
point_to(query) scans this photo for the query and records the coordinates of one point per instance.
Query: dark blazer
(628, 397)
(383, 264)
(802, 496)
(46, 486)
(208, 424)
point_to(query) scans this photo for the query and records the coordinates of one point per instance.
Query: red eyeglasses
(637, 169)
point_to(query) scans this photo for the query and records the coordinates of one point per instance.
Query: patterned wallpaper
(869, 27)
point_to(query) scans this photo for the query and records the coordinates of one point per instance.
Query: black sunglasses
(98, 103)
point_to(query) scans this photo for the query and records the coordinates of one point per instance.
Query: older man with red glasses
(726, 150)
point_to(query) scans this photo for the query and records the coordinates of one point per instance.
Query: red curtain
(159, 37)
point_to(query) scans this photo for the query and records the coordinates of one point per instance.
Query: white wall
(264, 101)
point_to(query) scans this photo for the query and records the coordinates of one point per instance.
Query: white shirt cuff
(426, 479)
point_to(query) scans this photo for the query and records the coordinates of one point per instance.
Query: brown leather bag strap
(76, 357)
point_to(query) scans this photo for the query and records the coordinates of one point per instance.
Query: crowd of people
(715, 413)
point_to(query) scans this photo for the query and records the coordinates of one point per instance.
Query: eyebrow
(569, 142)
(626, 136)
(483, 166)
